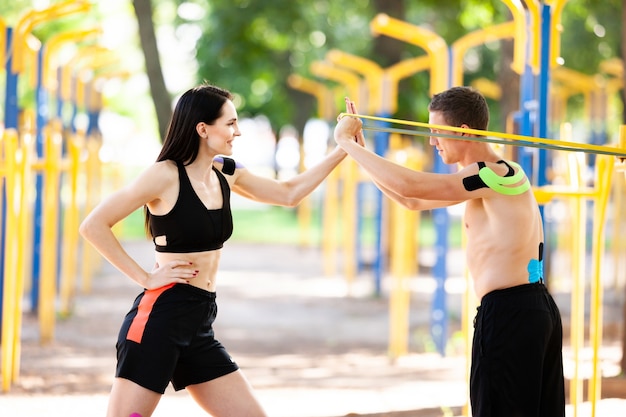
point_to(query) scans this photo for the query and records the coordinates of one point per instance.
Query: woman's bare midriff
(206, 263)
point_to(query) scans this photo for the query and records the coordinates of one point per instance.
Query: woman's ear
(202, 131)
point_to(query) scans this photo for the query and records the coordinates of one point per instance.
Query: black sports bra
(190, 226)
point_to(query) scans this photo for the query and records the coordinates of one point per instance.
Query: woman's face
(220, 135)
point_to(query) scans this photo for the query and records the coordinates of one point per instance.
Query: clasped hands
(349, 128)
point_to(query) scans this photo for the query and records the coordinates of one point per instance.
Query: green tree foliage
(592, 33)
(251, 47)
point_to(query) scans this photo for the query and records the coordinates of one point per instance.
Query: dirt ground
(311, 345)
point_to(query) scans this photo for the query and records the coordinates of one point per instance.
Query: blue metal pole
(528, 110)
(381, 145)
(544, 80)
(439, 311)
(59, 97)
(42, 111)
(10, 104)
(542, 117)
(360, 214)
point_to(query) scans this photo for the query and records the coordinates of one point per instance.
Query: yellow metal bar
(521, 38)
(53, 45)
(394, 73)
(3, 42)
(31, 56)
(555, 31)
(488, 88)
(93, 174)
(350, 177)
(21, 29)
(578, 244)
(47, 283)
(89, 57)
(478, 37)
(317, 90)
(304, 208)
(468, 313)
(34, 17)
(619, 242)
(613, 66)
(403, 250)
(622, 138)
(348, 79)
(329, 223)
(70, 227)
(79, 93)
(548, 192)
(575, 80)
(535, 33)
(432, 43)
(604, 172)
(372, 72)
(24, 256)
(9, 299)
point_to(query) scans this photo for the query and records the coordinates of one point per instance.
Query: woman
(167, 334)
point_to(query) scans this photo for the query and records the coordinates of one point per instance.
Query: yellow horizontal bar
(547, 193)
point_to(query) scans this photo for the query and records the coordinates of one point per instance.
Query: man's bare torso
(503, 235)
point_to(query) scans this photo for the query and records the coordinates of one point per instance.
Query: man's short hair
(462, 105)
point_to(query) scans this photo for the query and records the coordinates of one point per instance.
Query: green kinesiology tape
(503, 185)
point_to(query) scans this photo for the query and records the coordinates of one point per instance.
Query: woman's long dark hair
(200, 104)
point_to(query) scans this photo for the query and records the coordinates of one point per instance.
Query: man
(517, 365)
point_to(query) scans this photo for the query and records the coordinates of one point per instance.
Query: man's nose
(432, 140)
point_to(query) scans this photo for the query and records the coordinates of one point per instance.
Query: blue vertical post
(542, 116)
(439, 311)
(92, 113)
(528, 110)
(381, 145)
(42, 111)
(527, 117)
(10, 122)
(59, 96)
(544, 80)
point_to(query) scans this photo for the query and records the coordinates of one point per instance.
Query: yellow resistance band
(483, 136)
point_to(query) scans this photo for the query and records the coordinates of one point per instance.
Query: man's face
(446, 148)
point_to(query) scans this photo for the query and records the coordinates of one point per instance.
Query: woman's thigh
(127, 398)
(228, 395)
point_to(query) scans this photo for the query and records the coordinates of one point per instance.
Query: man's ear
(464, 126)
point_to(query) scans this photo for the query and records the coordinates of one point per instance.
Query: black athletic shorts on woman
(167, 336)
(517, 360)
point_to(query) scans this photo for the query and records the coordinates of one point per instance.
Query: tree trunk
(158, 90)
(389, 50)
(509, 82)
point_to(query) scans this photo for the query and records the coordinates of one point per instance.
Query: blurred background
(89, 88)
